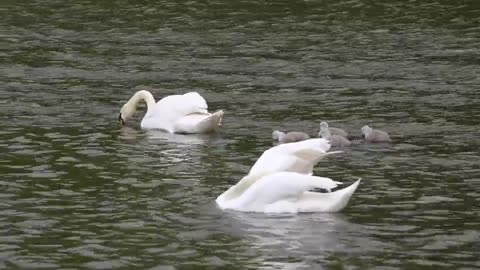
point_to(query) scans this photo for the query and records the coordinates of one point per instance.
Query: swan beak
(120, 120)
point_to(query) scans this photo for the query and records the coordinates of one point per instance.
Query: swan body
(375, 135)
(335, 140)
(281, 179)
(187, 113)
(333, 131)
(292, 136)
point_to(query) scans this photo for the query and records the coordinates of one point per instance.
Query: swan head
(366, 130)
(324, 133)
(127, 110)
(277, 135)
(323, 125)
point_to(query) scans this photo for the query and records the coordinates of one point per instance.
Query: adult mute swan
(292, 136)
(185, 113)
(375, 135)
(281, 179)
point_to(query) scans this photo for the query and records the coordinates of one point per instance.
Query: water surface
(79, 192)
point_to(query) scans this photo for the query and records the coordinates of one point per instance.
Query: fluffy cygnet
(375, 135)
(333, 131)
(293, 136)
(335, 140)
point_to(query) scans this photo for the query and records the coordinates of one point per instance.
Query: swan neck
(145, 96)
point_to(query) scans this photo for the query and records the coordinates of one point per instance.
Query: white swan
(174, 114)
(292, 136)
(280, 181)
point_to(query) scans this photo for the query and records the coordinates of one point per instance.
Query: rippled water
(79, 192)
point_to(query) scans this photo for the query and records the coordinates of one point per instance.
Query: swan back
(184, 104)
(194, 103)
(172, 108)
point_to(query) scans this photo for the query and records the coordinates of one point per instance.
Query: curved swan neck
(143, 95)
(130, 107)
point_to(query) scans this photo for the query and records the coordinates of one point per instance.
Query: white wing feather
(298, 157)
(270, 189)
(171, 109)
(198, 122)
(283, 185)
(181, 105)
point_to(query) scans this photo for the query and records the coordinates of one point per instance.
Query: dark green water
(78, 192)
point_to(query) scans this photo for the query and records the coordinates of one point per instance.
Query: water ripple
(80, 192)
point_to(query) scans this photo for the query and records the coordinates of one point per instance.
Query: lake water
(79, 192)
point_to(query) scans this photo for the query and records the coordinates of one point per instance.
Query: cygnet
(293, 136)
(375, 135)
(333, 131)
(335, 140)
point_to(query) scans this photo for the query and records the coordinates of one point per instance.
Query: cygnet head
(323, 125)
(366, 130)
(277, 135)
(324, 133)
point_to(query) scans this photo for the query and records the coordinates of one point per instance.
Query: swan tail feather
(327, 202)
(211, 122)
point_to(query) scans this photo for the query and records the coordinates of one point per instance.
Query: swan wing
(298, 157)
(259, 193)
(326, 202)
(198, 122)
(181, 105)
(227, 198)
(194, 103)
(171, 109)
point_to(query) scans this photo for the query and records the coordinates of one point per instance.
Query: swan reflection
(129, 133)
(308, 238)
